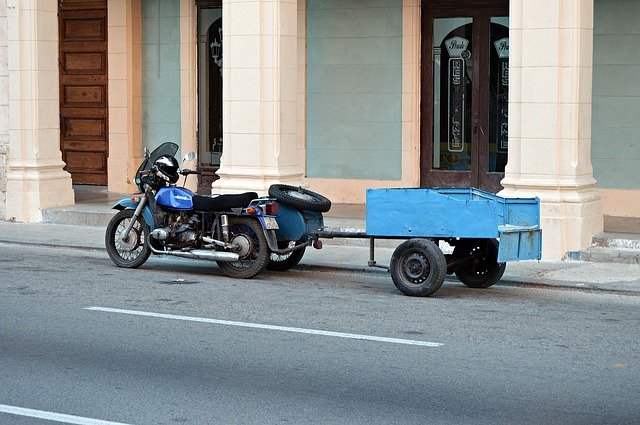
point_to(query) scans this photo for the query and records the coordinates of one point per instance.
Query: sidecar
(297, 229)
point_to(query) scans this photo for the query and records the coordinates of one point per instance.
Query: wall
(354, 89)
(160, 72)
(616, 105)
(4, 107)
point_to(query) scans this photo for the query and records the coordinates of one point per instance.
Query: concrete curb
(344, 255)
(351, 268)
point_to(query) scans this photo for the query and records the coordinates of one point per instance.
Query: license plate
(270, 223)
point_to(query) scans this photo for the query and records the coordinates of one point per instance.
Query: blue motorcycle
(236, 231)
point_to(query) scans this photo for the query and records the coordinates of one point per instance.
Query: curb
(339, 268)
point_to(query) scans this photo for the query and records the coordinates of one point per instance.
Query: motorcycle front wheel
(133, 251)
(251, 245)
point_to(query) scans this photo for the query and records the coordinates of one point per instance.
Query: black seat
(222, 202)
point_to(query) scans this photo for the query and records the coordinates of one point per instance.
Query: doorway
(465, 87)
(209, 92)
(83, 80)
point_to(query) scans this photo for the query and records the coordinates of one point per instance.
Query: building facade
(517, 97)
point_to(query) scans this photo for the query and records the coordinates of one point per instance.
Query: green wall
(615, 149)
(354, 89)
(160, 72)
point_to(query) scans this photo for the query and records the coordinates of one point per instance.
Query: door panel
(498, 135)
(210, 61)
(453, 87)
(83, 91)
(465, 94)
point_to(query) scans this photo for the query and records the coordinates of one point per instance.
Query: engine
(179, 230)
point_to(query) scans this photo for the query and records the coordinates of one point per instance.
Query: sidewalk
(352, 256)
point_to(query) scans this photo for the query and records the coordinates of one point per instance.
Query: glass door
(209, 93)
(465, 81)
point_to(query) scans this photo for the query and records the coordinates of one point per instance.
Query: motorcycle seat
(222, 202)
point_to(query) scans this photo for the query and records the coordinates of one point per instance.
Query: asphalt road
(193, 346)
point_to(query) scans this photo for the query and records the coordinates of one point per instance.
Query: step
(79, 215)
(629, 241)
(610, 255)
(609, 247)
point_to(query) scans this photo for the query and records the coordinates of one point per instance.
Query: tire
(282, 263)
(133, 252)
(253, 249)
(484, 270)
(418, 267)
(297, 197)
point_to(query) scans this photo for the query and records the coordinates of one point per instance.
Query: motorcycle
(236, 231)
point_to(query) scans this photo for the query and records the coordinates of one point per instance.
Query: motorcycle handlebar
(187, 171)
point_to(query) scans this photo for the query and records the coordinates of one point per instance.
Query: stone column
(260, 76)
(125, 94)
(4, 107)
(189, 83)
(35, 179)
(551, 58)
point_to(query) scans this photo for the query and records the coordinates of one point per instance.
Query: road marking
(51, 416)
(269, 327)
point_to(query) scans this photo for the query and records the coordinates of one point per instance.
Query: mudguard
(146, 211)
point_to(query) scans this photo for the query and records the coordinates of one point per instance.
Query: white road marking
(51, 416)
(269, 327)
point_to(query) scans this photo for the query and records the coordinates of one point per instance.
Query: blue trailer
(485, 231)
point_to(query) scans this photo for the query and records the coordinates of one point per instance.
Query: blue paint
(127, 203)
(457, 213)
(176, 198)
(294, 224)
(519, 243)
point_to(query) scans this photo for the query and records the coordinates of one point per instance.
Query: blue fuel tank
(175, 198)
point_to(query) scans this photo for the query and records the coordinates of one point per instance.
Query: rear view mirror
(190, 156)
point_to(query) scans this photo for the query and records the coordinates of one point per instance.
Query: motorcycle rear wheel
(248, 235)
(132, 252)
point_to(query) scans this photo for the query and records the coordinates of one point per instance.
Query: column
(35, 178)
(551, 57)
(4, 107)
(260, 84)
(125, 94)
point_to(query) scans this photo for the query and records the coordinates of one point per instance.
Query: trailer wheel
(418, 267)
(482, 271)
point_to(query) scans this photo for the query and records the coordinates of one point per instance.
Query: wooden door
(464, 93)
(84, 143)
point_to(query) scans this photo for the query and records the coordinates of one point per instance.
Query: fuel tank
(175, 198)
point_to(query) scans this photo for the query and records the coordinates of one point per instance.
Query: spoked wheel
(251, 245)
(297, 197)
(133, 251)
(418, 267)
(284, 262)
(482, 270)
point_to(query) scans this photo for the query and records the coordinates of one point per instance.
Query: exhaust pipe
(200, 254)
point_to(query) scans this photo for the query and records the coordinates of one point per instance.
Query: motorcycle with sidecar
(168, 220)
